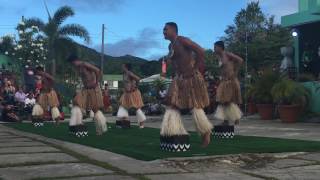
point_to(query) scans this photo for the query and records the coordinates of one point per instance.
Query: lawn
(143, 144)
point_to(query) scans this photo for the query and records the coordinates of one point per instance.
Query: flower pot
(265, 111)
(252, 108)
(289, 113)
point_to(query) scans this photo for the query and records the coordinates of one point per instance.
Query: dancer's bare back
(187, 56)
(90, 75)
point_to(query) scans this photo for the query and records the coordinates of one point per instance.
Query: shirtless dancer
(90, 97)
(131, 97)
(48, 99)
(188, 89)
(228, 92)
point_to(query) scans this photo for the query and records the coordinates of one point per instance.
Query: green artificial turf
(143, 144)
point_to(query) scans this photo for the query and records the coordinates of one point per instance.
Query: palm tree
(58, 36)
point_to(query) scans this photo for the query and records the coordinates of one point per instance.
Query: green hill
(112, 65)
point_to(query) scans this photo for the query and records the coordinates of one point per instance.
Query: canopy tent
(155, 77)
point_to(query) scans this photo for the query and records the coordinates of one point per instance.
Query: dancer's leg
(123, 114)
(203, 125)
(172, 124)
(100, 121)
(141, 118)
(55, 114)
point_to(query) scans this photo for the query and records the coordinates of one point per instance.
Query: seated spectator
(9, 92)
(8, 114)
(163, 93)
(20, 96)
(28, 104)
(30, 100)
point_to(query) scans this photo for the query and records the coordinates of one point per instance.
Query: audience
(20, 96)
(8, 113)
(30, 101)
(9, 92)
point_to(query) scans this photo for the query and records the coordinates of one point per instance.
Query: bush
(261, 89)
(289, 92)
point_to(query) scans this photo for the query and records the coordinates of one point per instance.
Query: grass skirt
(89, 99)
(131, 99)
(172, 123)
(122, 113)
(37, 110)
(76, 116)
(188, 93)
(48, 100)
(229, 91)
(55, 113)
(101, 123)
(230, 112)
(203, 125)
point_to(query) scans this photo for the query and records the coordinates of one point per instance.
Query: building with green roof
(305, 25)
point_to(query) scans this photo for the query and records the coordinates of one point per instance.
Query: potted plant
(291, 97)
(262, 93)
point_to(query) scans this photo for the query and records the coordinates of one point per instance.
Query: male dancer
(228, 92)
(48, 99)
(188, 89)
(90, 97)
(131, 97)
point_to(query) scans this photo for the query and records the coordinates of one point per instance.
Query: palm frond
(62, 14)
(33, 22)
(75, 30)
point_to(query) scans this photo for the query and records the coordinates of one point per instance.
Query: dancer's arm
(133, 76)
(46, 76)
(199, 51)
(235, 58)
(93, 68)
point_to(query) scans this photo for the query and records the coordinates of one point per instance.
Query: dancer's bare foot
(141, 125)
(206, 138)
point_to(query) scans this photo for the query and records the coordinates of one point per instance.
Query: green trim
(309, 11)
(303, 5)
(299, 19)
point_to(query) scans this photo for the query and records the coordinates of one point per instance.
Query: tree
(30, 49)
(263, 36)
(6, 44)
(58, 36)
(212, 63)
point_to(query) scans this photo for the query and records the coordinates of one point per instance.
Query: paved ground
(253, 126)
(29, 156)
